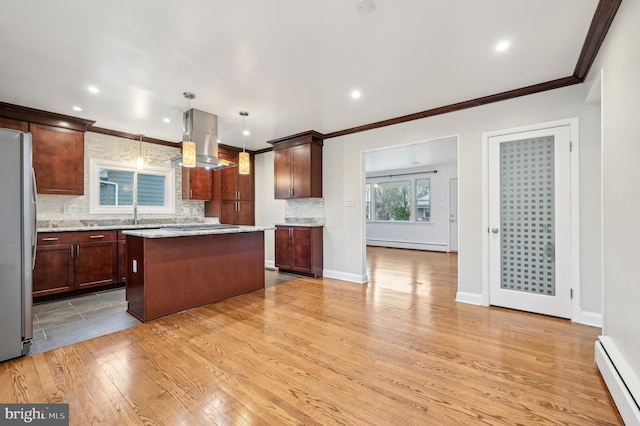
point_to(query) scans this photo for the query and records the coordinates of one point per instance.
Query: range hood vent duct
(202, 128)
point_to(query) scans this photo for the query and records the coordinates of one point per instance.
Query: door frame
(573, 124)
(449, 198)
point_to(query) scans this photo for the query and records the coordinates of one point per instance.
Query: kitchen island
(172, 270)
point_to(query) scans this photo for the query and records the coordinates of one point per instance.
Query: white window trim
(95, 164)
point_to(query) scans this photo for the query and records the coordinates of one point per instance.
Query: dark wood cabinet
(197, 184)
(299, 249)
(233, 193)
(54, 269)
(96, 264)
(8, 123)
(237, 212)
(298, 166)
(58, 159)
(68, 261)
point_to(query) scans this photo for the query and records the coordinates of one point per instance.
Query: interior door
(453, 214)
(530, 221)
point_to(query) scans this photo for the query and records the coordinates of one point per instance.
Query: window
(393, 200)
(398, 200)
(115, 186)
(423, 200)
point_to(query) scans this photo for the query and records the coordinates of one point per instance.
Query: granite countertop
(107, 225)
(189, 232)
(301, 224)
(308, 222)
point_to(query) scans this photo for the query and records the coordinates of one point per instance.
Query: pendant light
(140, 161)
(188, 146)
(244, 165)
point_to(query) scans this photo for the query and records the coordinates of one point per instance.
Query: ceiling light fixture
(93, 89)
(188, 146)
(77, 108)
(166, 120)
(356, 94)
(502, 46)
(140, 161)
(244, 165)
(366, 7)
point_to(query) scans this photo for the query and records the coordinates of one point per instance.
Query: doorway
(530, 250)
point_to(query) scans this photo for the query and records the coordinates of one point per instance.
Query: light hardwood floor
(396, 351)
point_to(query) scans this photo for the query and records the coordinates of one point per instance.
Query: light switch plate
(349, 203)
(134, 266)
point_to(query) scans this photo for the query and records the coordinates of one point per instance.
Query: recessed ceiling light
(246, 132)
(218, 140)
(166, 120)
(93, 89)
(77, 108)
(356, 94)
(503, 45)
(366, 7)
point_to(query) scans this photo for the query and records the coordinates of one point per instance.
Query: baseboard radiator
(622, 382)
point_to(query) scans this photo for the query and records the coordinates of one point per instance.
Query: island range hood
(202, 128)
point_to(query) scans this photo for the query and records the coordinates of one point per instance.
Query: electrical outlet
(349, 203)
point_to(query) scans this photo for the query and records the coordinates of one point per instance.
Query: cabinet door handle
(96, 236)
(237, 195)
(191, 193)
(77, 252)
(50, 239)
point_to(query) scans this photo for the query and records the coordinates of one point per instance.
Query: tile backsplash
(97, 145)
(304, 210)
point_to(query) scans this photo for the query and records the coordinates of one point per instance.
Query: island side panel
(185, 272)
(135, 280)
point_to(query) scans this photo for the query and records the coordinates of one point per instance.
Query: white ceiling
(415, 155)
(292, 64)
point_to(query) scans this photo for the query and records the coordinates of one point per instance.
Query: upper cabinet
(197, 184)
(58, 147)
(58, 160)
(7, 123)
(298, 166)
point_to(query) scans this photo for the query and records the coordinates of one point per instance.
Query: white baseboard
(271, 265)
(470, 298)
(407, 245)
(620, 378)
(593, 319)
(345, 276)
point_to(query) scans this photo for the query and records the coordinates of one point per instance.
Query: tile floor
(63, 322)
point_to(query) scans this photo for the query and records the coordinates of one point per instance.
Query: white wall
(433, 235)
(619, 60)
(344, 232)
(269, 211)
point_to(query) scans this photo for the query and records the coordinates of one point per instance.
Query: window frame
(96, 164)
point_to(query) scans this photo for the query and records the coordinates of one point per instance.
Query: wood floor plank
(398, 350)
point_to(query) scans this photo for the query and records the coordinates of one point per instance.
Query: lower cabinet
(67, 261)
(299, 249)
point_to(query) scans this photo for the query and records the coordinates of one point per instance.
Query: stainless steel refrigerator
(17, 243)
